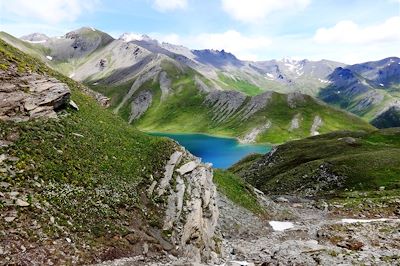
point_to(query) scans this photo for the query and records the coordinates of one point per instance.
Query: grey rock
(188, 167)
(73, 105)
(140, 104)
(295, 123)
(165, 85)
(317, 123)
(169, 168)
(21, 203)
(31, 96)
(9, 219)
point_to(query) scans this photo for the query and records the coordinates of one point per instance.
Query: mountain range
(165, 87)
(79, 185)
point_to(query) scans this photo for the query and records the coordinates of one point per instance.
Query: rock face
(140, 105)
(317, 123)
(191, 211)
(295, 123)
(251, 136)
(29, 96)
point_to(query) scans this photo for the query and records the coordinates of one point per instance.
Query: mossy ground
(366, 161)
(237, 190)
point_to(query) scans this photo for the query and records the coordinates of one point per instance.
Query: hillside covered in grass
(329, 164)
(186, 107)
(73, 188)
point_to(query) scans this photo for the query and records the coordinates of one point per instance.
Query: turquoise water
(221, 152)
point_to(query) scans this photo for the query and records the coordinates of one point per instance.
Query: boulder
(30, 96)
(188, 167)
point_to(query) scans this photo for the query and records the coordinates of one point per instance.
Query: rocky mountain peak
(35, 37)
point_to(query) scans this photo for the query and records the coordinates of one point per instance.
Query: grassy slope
(90, 184)
(185, 111)
(35, 50)
(237, 191)
(239, 85)
(373, 161)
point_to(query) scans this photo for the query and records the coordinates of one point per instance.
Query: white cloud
(168, 5)
(49, 11)
(348, 32)
(253, 11)
(244, 47)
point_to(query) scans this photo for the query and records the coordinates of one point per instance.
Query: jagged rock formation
(191, 213)
(28, 96)
(224, 103)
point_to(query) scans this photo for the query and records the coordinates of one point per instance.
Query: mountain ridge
(157, 89)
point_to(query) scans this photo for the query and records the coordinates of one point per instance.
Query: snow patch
(324, 81)
(93, 29)
(49, 57)
(42, 41)
(270, 75)
(280, 226)
(380, 84)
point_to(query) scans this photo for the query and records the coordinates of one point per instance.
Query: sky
(348, 31)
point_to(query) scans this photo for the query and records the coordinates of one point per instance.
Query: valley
(130, 151)
(168, 88)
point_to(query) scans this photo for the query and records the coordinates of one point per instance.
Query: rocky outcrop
(255, 104)
(317, 123)
(100, 98)
(30, 95)
(294, 99)
(224, 103)
(295, 123)
(165, 85)
(144, 76)
(191, 211)
(201, 85)
(251, 136)
(140, 105)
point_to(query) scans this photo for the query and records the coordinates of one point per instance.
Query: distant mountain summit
(35, 37)
(368, 89)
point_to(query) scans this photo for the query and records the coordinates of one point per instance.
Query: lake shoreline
(222, 152)
(152, 133)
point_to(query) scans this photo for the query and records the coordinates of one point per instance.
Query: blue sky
(343, 30)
